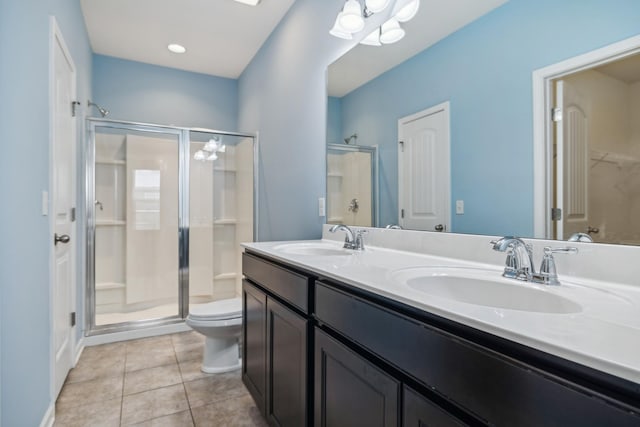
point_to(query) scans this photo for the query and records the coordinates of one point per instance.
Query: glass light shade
(222, 148)
(211, 146)
(177, 48)
(376, 6)
(338, 31)
(212, 157)
(391, 32)
(372, 39)
(199, 155)
(408, 11)
(351, 17)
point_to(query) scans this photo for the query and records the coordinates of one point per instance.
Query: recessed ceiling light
(177, 48)
(249, 2)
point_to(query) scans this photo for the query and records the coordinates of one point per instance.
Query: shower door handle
(64, 238)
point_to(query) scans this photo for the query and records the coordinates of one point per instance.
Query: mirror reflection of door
(351, 185)
(424, 181)
(597, 146)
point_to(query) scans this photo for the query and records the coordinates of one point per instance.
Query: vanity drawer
(496, 388)
(282, 282)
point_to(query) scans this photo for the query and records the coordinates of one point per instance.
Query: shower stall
(167, 209)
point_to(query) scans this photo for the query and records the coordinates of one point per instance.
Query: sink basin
(486, 288)
(312, 249)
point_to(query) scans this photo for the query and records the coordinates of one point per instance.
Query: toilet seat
(226, 309)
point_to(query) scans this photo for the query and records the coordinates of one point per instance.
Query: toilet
(220, 322)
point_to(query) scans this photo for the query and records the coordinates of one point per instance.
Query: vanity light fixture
(249, 2)
(351, 18)
(372, 39)
(199, 155)
(177, 48)
(210, 150)
(391, 32)
(407, 12)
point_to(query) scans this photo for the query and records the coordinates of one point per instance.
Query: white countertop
(604, 335)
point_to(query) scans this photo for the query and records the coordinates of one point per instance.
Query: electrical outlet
(459, 207)
(321, 207)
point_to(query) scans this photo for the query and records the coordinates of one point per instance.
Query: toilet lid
(217, 310)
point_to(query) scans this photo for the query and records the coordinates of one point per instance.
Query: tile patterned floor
(153, 382)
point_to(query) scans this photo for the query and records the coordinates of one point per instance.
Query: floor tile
(149, 358)
(214, 388)
(151, 343)
(186, 338)
(190, 370)
(104, 413)
(151, 378)
(180, 419)
(96, 367)
(236, 412)
(153, 404)
(84, 392)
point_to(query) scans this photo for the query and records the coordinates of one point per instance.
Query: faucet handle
(359, 239)
(548, 270)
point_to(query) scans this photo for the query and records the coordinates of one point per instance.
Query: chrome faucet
(394, 227)
(519, 262)
(352, 240)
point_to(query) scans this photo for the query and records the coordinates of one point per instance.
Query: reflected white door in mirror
(424, 193)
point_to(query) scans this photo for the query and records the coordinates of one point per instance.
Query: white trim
(49, 416)
(135, 334)
(78, 351)
(542, 125)
(446, 107)
(55, 37)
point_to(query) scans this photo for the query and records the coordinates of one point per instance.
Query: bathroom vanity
(334, 337)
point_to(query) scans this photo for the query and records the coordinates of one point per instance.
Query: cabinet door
(420, 412)
(349, 390)
(254, 349)
(286, 366)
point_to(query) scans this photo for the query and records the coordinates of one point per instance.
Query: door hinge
(401, 145)
(74, 105)
(556, 214)
(73, 214)
(73, 319)
(556, 114)
(401, 213)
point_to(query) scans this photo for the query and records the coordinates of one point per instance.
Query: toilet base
(220, 355)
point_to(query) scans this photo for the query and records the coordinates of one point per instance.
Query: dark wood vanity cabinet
(322, 353)
(351, 391)
(275, 332)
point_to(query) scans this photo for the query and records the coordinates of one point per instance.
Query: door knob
(439, 227)
(61, 239)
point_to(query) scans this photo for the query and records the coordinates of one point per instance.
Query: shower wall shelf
(226, 221)
(225, 276)
(114, 162)
(109, 285)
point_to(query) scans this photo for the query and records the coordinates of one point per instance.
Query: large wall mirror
(481, 66)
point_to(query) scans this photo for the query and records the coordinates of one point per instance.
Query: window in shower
(220, 213)
(136, 239)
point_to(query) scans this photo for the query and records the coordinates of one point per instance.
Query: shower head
(103, 112)
(348, 140)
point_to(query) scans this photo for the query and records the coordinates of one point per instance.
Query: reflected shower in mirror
(352, 185)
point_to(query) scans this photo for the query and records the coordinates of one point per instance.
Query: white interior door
(63, 201)
(424, 181)
(572, 162)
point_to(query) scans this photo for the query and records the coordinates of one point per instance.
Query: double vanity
(404, 334)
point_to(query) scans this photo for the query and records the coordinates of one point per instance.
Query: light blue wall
(283, 96)
(148, 93)
(24, 174)
(334, 120)
(485, 71)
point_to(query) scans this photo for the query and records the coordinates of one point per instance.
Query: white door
(572, 163)
(63, 201)
(424, 181)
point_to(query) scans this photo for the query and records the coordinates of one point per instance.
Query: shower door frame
(184, 143)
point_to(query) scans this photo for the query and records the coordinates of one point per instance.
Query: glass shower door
(137, 224)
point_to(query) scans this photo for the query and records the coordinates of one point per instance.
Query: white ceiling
(221, 36)
(435, 20)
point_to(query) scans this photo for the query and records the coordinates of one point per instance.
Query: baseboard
(78, 351)
(135, 334)
(49, 416)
